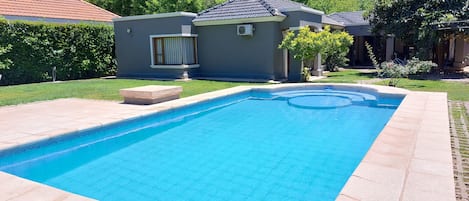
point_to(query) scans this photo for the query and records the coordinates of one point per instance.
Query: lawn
(456, 90)
(347, 76)
(107, 89)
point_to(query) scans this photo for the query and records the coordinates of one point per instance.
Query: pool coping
(409, 160)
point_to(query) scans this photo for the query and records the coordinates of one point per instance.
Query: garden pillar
(317, 68)
(389, 48)
(460, 53)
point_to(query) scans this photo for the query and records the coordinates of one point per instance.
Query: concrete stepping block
(150, 94)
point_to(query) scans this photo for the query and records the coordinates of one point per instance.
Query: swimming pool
(255, 145)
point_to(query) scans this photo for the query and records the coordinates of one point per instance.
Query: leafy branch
(5, 62)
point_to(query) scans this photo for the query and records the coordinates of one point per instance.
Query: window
(174, 50)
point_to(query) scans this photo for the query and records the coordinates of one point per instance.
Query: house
(454, 51)
(57, 11)
(450, 53)
(360, 28)
(460, 52)
(237, 39)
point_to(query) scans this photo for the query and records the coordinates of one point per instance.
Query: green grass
(456, 90)
(346, 76)
(107, 89)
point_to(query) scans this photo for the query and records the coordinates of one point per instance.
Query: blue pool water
(285, 145)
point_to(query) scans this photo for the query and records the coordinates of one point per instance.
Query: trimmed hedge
(77, 51)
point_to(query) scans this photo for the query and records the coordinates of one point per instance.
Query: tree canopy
(140, 7)
(305, 45)
(334, 6)
(414, 21)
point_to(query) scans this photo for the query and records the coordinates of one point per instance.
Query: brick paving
(460, 145)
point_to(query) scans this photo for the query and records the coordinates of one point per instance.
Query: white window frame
(169, 66)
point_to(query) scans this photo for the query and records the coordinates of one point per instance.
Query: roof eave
(53, 20)
(154, 16)
(358, 24)
(335, 25)
(303, 9)
(238, 20)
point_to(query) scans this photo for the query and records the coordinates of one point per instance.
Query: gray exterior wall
(299, 18)
(222, 53)
(133, 49)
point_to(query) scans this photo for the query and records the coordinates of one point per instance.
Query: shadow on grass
(369, 74)
(437, 75)
(416, 86)
(356, 74)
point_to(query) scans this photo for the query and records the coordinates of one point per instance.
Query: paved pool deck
(410, 159)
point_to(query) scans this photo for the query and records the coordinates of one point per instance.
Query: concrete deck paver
(19, 189)
(411, 151)
(423, 124)
(398, 161)
(363, 189)
(430, 167)
(421, 186)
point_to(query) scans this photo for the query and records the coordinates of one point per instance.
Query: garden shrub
(32, 49)
(372, 55)
(395, 71)
(305, 74)
(5, 62)
(338, 44)
(416, 66)
(306, 44)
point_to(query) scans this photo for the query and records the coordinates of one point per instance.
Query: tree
(162, 6)
(307, 44)
(337, 48)
(122, 7)
(365, 4)
(413, 21)
(332, 6)
(140, 7)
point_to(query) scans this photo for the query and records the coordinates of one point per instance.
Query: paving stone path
(459, 118)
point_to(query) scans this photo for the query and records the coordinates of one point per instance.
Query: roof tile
(59, 9)
(238, 9)
(330, 21)
(350, 18)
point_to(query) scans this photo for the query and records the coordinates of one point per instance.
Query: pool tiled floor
(410, 159)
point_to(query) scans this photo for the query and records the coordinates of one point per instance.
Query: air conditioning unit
(245, 30)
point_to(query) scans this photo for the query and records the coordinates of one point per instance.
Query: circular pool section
(319, 101)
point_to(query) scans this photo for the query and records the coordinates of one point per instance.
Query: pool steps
(357, 98)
